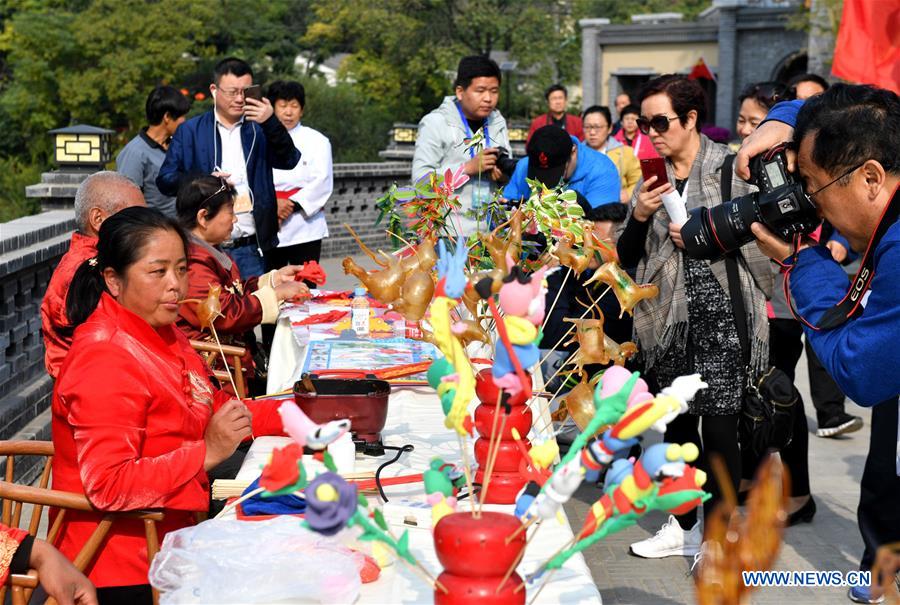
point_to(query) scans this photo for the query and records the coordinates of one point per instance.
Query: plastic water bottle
(359, 313)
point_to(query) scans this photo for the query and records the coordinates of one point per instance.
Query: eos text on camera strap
(851, 305)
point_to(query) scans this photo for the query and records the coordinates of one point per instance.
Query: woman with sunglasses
(205, 207)
(690, 326)
(634, 137)
(136, 422)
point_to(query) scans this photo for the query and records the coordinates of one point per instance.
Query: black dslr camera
(780, 204)
(506, 164)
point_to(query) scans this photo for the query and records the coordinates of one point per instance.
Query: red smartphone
(654, 167)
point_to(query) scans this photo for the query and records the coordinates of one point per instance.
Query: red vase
(476, 547)
(486, 390)
(507, 458)
(475, 557)
(504, 487)
(519, 418)
(462, 590)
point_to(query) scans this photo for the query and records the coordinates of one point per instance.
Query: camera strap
(851, 305)
(731, 270)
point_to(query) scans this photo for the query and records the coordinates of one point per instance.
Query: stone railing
(356, 188)
(31, 247)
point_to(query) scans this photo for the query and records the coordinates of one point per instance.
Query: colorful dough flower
(284, 472)
(330, 502)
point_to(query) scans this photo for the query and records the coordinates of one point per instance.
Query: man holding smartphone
(240, 140)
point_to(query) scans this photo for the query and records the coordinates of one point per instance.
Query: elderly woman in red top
(136, 422)
(205, 206)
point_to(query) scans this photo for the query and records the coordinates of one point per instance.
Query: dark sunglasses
(658, 123)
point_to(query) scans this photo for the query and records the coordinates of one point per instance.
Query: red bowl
(519, 418)
(486, 390)
(477, 548)
(504, 487)
(508, 455)
(462, 590)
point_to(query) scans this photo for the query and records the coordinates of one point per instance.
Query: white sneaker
(670, 541)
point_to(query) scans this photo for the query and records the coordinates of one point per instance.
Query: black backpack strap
(731, 269)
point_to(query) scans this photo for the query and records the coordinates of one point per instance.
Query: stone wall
(29, 250)
(356, 188)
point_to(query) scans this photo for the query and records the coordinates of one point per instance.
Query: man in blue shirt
(554, 156)
(848, 142)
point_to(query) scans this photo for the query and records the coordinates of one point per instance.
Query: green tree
(403, 54)
(356, 127)
(95, 61)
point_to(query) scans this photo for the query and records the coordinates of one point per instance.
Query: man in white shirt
(302, 191)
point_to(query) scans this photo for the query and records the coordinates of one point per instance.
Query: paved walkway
(830, 542)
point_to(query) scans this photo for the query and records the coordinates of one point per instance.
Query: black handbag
(767, 408)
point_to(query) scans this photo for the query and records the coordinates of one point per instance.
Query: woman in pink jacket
(634, 138)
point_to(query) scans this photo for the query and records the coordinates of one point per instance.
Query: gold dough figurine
(627, 292)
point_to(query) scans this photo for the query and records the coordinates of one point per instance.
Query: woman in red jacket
(136, 422)
(205, 207)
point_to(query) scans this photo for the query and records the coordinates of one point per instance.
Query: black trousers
(276, 258)
(827, 396)
(878, 513)
(139, 594)
(719, 437)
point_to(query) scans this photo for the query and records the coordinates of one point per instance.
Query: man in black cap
(554, 158)
(442, 140)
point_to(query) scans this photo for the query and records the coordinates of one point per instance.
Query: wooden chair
(15, 496)
(235, 354)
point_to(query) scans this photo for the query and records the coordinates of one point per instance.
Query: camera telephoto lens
(711, 232)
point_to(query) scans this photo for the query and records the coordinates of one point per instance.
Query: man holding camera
(443, 139)
(240, 140)
(848, 157)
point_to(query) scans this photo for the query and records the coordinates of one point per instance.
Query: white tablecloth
(415, 417)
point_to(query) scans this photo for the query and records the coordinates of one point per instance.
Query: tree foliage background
(95, 61)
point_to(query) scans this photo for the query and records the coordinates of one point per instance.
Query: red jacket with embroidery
(10, 539)
(241, 312)
(130, 411)
(53, 307)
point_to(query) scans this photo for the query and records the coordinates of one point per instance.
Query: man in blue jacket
(848, 142)
(241, 140)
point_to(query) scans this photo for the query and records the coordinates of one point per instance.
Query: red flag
(701, 72)
(868, 44)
